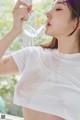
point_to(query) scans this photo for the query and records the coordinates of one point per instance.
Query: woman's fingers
(29, 8)
(20, 14)
(19, 3)
(25, 18)
(24, 14)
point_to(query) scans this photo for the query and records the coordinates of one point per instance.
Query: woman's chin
(48, 33)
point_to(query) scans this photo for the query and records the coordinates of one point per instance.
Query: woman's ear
(79, 25)
(76, 23)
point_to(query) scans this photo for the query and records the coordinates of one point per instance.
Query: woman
(49, 88)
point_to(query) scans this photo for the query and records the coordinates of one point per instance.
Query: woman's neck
(69, 46)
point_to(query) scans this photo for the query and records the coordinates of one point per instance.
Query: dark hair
(74, 6)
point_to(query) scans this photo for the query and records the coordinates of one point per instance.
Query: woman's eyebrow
(62, 3)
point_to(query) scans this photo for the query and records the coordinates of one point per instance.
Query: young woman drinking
(49, 87)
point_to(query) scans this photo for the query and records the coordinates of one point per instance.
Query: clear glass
(35, 26)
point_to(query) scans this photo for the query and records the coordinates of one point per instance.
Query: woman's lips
(48, 24)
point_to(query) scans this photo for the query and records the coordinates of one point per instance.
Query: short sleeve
(20, 57)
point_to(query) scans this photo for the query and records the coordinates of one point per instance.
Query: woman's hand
(20, 14)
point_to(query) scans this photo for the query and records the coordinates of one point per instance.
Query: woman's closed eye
(58, 9)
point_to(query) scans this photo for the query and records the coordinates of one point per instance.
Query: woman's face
(59, 20)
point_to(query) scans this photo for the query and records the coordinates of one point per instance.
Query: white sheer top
(50, 81)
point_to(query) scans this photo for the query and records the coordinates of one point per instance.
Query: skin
(35, 115)
(61, 26)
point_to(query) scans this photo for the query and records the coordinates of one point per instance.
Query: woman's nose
(48, 14)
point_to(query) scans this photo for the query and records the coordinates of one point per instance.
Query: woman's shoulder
(39, 50)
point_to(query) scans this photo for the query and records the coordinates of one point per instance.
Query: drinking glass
(35, 26)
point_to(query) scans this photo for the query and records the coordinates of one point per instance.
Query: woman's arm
(7, 64)
(7, 40)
